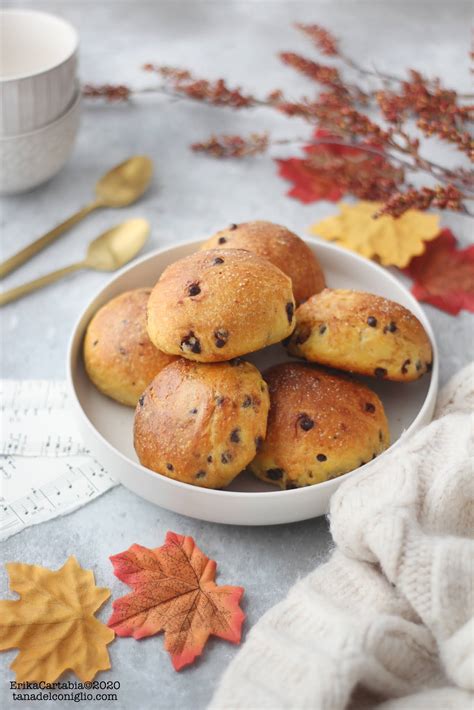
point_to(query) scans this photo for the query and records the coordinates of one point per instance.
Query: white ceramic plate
(107, 426)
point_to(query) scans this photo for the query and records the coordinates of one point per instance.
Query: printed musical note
(45, 470)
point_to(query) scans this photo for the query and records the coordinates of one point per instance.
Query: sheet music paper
(45, 470)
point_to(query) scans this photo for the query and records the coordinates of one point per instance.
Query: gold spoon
(108, 252)
(119, 187)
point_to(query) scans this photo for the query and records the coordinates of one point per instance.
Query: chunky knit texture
(388, 621)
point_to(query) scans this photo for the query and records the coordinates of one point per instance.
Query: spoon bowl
(117, 246)
(125, 183)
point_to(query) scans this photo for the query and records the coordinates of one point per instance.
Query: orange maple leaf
(53, 624)
(174, 591)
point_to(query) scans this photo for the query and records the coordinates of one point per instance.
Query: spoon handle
(19, 291)
(25, 254)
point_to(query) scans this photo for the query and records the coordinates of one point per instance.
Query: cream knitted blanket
(388, 621)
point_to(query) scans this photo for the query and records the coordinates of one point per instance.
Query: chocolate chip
(232, 226)
(380, 372)
(322, 457)
(274, 474)
(286, 341)
(218, 260)
(122, 351)
(190, 343)
(322, 329)
(200, 474)
(429, 366)
(372, 321)
(235, 436)
(141, 400)
(247, 401)
(258, 443)
(362, 463)
(405, 367)
(220, 401)
(374, 456)
(194, 289)
(302, 335)
(95, 342)
(221, 337)
(209, 459)
(222, 240)
(418, 365)
(226, 457)
(369, 407)
(290, 309)
(193, 410)
(390, 328)
(305, 422)
(290, 486)
(170, 467)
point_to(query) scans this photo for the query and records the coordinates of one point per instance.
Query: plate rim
(247, 495)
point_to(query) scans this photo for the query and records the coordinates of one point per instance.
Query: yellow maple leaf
(53, 622)
(394, 242)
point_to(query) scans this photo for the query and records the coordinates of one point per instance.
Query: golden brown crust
(119, 357)
(219, 304)
(202, 424)
(363, 333)
(320, 426)
(280, 246)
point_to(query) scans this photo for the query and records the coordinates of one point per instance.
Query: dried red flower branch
(444, 198)
(438, 112)
(323, 40)
(213, 92)
(110, 92)
(233, 146)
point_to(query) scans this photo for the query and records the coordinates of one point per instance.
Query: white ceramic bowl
(107, 426)
(30, 159)
(38, 64)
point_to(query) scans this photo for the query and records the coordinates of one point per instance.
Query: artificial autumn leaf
(330, 170)
(444, 275)
(394, 242)
(174, 591)
(53, 622)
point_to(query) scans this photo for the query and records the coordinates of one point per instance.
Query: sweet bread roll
(320, 426)
(363, 333)
(280, 246)
(119, 357)
(202, 424)
(219, 304)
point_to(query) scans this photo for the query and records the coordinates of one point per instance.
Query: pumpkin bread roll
(202, 424)
(119, 356)
(362, 333)
(280, 246)
(320, 426)
(219, 304)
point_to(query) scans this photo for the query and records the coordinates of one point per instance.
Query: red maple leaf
(330, 171)
(174, 591)
(444, 275)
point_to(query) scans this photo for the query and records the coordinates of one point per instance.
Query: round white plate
(107, 426)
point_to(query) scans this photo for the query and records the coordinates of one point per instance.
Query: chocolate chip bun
(320, 426)
(202, 424)
(363, 333)
(119, 357)
(280, 246)
(219, 304)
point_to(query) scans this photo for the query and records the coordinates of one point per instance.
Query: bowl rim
(53, 67)
(76, 100)
(247, 495)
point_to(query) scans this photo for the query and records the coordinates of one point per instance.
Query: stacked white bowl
(39, 97)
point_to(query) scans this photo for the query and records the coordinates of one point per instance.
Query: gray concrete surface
(192, 196)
